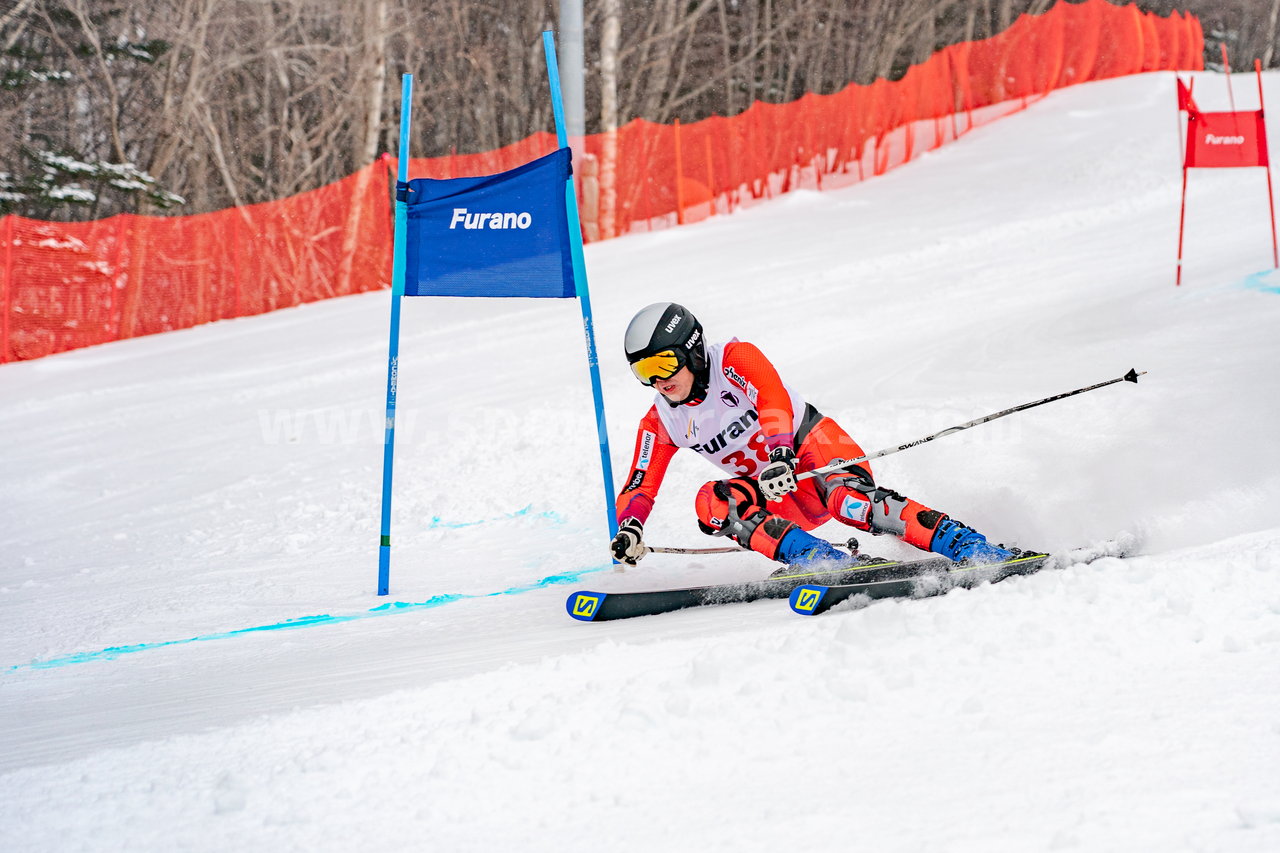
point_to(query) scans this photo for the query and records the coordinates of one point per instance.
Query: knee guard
(845, 495)
(911, 521)
(855, 499)
(735, 508)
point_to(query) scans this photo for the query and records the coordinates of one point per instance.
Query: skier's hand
(627, 546)
(779, 476)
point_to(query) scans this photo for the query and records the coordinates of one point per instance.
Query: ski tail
(806, 599)
(584, 605)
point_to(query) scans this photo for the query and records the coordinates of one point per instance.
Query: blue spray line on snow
(1263, 281)
(437, 523)
(1267, 281)
(306, 621)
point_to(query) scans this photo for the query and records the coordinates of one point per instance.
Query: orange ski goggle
(662, 365)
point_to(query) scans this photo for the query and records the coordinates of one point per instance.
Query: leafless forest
(185, 106)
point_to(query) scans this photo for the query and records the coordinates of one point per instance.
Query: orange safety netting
(65, 285)
(69, 285)
(666, 174)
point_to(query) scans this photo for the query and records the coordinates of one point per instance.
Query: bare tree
(610, 35)
(1270, 50)
(372, 63)
(192, 105)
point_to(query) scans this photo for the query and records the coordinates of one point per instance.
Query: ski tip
(805, 599)
(584, 605)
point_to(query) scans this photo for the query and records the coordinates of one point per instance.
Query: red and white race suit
(746, 412)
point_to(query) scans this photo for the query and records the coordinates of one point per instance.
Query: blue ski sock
(957, 542)
(798, 547)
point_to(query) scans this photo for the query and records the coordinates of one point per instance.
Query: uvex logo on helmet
(673, 322)
(493, 221)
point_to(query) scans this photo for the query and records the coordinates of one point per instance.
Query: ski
(810, 599)
(590, 606)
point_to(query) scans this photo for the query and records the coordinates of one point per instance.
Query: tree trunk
(1271, 34)
(373, 65)
(610, 33)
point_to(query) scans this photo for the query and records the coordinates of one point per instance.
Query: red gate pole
(1182, 219)
(1182, 144)
(1182, 212)
(1271, 203)
(1266, 164)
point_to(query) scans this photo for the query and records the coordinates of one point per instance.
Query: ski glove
(779, 476)
(627, 546)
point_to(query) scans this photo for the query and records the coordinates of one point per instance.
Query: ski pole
(851, 545)
(1131, 376)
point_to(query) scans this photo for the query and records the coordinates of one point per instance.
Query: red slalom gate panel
(1186, 102)
(1225, 140)
(68, 285)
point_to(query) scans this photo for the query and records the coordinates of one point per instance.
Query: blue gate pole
(393, 343)
(580, 283)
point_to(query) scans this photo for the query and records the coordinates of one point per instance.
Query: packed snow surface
(192, 656)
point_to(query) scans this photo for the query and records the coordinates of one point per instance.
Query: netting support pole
(711, 175)
(6, 292)
(679, 176)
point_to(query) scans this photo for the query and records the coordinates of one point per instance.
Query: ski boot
(800, 550)
(960, 543)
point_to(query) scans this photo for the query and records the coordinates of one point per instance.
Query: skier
(727, 403)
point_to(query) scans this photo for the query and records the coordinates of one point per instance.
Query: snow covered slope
(191, 656)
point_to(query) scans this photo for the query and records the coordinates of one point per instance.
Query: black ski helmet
(667, 327)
